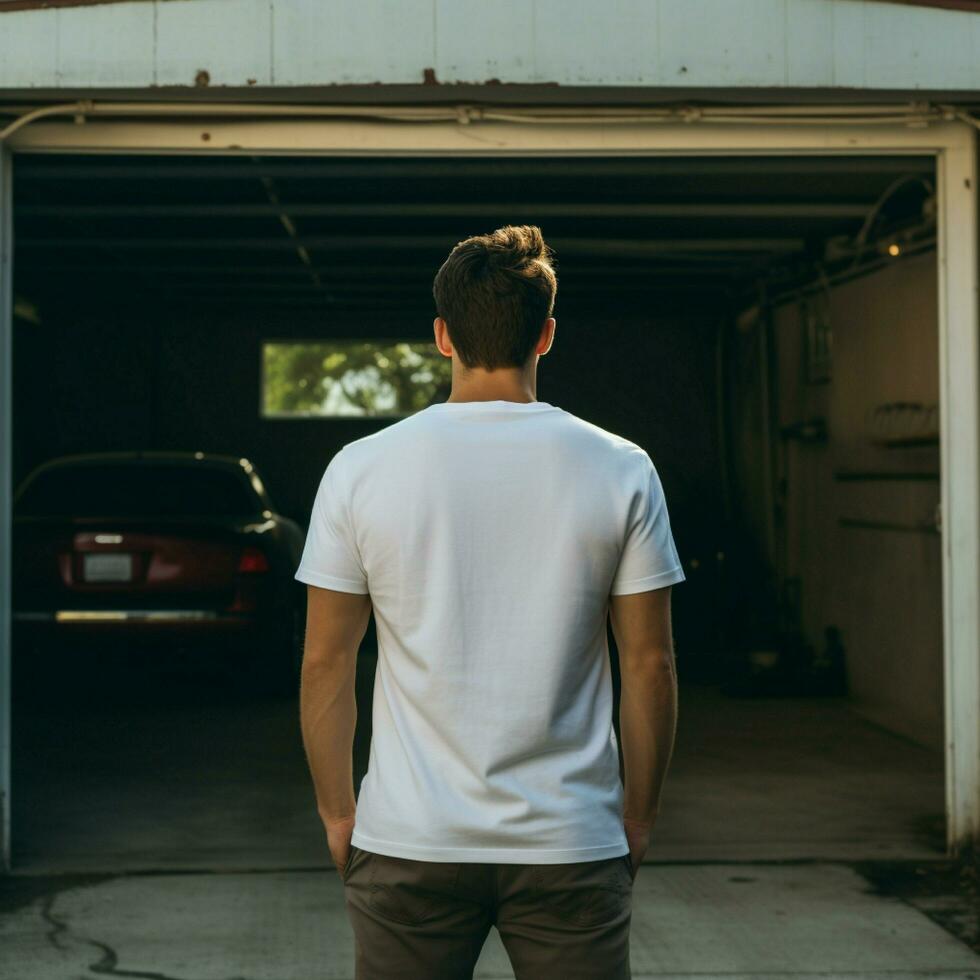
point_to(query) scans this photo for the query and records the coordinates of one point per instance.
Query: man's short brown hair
(495, 291)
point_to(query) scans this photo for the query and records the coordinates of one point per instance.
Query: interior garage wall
(881, 586)
(120, 379)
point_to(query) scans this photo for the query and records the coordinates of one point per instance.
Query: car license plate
(113, 566)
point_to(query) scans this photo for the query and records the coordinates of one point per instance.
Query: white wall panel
(809, 43)
(848, 47)
(476, 42)
(193, 36)
(627, 33)
(28, 56)
(702, 43)
(109, 45)
(894, 50)
(353, 42)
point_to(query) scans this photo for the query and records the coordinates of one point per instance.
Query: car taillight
(253, 560)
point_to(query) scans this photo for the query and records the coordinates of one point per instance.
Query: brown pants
(428, 920)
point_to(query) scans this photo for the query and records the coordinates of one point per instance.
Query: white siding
(351, 42)
(655, 43)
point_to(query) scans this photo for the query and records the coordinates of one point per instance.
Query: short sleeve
(649, 558)
(330, 556)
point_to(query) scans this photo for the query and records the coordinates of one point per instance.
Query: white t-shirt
(490, 535)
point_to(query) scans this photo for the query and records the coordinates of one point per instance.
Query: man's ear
(443, 342)
(547, 336)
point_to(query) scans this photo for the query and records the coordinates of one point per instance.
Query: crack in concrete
(108, 964)
(57, 926)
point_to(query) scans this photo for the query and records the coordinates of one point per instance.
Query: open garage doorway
(766, 327)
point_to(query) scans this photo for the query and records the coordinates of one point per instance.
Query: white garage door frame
(6, 431)
(954, 146)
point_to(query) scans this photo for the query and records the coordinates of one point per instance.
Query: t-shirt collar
(492, 403)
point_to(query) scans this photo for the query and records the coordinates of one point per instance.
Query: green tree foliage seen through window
(351, 377)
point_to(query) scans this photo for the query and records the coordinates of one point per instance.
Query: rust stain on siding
(429, 78)
(6, 5)
(972, 6)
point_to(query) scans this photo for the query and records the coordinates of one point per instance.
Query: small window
(351, 378)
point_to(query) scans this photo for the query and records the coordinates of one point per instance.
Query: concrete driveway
(689, 920)
(165, 829)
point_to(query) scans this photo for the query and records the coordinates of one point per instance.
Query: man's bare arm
(335, 625)
(648, 703)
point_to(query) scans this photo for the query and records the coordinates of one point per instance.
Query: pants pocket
(584, 893)
(354, 849)
(408, 891)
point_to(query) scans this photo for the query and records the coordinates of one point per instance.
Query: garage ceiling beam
(370, 288)
(665, 264)
(590, 246)
(697, 293)
(418, 287)
(275, 207)
(517, 211)
(418, 293)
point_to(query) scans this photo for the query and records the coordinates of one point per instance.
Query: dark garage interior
(697, 301)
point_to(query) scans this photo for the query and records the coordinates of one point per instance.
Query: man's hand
(338, 840)
(638, 838)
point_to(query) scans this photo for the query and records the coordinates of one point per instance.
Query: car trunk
(131, 563)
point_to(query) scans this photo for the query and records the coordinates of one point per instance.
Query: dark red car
(159, 546)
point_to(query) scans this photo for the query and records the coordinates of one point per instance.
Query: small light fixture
(26, 310)
(894, 249)
(748, 318)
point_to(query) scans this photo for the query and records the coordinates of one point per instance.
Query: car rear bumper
(135, 622)
(129, 616)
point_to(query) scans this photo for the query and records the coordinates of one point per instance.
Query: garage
(783, 314)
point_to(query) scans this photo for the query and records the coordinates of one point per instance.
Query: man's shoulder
(366, 449)
(403, 436)
(602, 440)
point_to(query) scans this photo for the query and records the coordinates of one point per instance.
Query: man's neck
(500, 385)
(486, 397)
